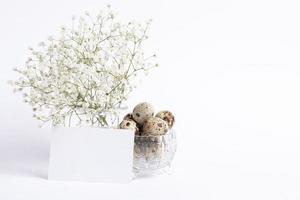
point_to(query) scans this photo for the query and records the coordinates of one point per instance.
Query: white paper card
(91, 154)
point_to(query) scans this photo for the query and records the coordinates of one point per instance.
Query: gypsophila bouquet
(85, 74)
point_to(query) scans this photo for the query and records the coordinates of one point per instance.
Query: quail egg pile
(144, 123)
(155, 140)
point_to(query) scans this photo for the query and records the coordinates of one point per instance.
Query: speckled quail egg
(142, 112)
(129, 124)
(128, 116)
(167, 116)
(155, 126)
(148, 147)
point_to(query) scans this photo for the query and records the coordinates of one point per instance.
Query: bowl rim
(170, 132)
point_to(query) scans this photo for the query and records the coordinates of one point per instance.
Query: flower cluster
(87, 72)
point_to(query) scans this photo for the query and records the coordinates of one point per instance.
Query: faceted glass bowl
(154, 153)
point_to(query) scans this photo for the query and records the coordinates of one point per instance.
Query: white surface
(230, 73)
(91, 154)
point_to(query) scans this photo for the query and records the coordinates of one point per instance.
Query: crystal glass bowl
(154, 153)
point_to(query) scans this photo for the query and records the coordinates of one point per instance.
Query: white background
(229, 70)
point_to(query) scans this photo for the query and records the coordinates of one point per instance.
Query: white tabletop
(214, 167)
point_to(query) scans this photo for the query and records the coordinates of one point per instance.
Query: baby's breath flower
(86, 74)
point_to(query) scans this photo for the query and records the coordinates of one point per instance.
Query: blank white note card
(91, 154)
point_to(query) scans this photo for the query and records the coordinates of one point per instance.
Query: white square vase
(91, 154)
